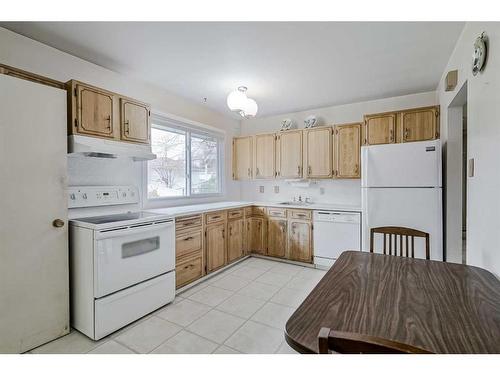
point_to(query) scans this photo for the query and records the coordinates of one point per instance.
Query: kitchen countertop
(216, 206)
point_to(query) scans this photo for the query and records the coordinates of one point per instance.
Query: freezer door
(417, 208)
(415, 164)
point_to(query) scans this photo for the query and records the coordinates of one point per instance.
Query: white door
(34, 290)
(414, 164)
(417, 208)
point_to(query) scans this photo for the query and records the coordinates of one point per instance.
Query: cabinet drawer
(187, 222)
(188, 270)
(276, 212)
(188, 243)
(257, 211)
(299, 214)
(235, 214)
(215, 217)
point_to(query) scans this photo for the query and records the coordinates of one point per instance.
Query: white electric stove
(122, 264)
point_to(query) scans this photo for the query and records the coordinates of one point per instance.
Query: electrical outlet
(261, 189)
(277, 189)
(322, 190)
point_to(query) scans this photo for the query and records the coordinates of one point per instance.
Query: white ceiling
(287, 66)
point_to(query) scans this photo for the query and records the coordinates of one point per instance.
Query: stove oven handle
(136, 229)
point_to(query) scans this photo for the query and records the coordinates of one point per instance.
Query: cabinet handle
(223, 232)
(109, 122)
(356, 169)
(127, 127)
(391, 135)
(230, 231)
(257, 172)
(188, 238)
(407, 133)
(298, 169)
(309, 170)
(248, 172)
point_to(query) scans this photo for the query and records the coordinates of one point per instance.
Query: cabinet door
(277, 237)
(256, 235)
(264, 155)
(419, 124)
(242, 158)
(318, 146)
(235, 239)
(216, 246)
(300, 240)
(290, 154)
(347, 151)
(135, 125)
(95, 112)
(380, 129)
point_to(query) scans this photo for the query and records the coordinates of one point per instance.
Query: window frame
(164, 123)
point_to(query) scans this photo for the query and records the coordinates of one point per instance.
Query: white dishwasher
(335, 232)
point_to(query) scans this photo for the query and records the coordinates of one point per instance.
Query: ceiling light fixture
(237, 101)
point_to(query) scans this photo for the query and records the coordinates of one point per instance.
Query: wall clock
(479, 54)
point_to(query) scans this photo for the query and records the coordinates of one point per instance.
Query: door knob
(58, 223)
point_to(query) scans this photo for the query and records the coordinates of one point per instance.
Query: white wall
(27, 54)
(334, 191)
(483, 132)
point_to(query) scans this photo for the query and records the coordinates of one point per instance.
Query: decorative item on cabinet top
(311, 122)
(287, 124)
(479, 54)
(105, 124)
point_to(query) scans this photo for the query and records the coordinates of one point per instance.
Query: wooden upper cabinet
(290, 154)
(277, 235)
(380, 129)
(300, 240)
(235, 244)
(135, 124)
(420, 124)
(264, 155)
(94, 113)
(215, 244)
(242, 158)
(318, 153)
(347, 157)
(99, 113)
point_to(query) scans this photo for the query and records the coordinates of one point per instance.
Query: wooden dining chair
(400, 233)
(354, 343)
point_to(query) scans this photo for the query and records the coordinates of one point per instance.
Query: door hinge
(76, 122)
(76, 92)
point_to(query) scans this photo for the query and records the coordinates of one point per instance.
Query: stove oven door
(125, 257)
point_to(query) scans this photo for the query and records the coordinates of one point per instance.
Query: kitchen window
(188, 162)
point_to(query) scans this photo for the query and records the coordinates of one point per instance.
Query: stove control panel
(94, 196)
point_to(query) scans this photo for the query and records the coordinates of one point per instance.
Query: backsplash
(344, 192)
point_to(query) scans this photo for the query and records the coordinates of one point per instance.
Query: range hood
(79, 145)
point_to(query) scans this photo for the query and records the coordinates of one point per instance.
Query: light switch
(322, 190)
(261, 189)
(471, 167)
(276, 189)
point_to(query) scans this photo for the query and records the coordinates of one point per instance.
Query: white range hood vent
(79, 145)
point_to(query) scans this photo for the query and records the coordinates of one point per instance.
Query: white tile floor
(241, 310)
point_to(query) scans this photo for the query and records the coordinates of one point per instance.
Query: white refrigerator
(401, 186)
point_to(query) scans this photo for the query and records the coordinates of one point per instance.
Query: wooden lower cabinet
(189, 269)
(235, 249)
(277, 235)
(300, 240)
(256, 235)
(215, 246)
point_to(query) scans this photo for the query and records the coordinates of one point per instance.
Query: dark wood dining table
(436, 306)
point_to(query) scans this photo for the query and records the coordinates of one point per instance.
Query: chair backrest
(354, 343)
(401, 241)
